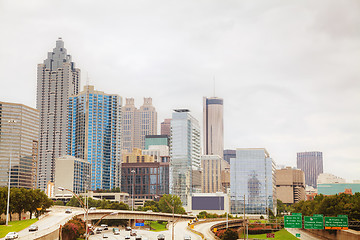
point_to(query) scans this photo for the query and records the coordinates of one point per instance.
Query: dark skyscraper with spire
(57, 79)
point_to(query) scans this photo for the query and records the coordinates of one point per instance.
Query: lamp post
(173, 218)
(133, 189)
(11, 122)
(85, 207)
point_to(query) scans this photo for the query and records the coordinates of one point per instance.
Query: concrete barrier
(335, 234)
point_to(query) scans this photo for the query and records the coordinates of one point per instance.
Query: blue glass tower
(94, 134)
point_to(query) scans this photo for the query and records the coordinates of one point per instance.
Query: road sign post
(139, 223)
(337, 223)
(314, 222)
(293, 221)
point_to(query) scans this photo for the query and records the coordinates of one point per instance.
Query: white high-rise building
(184, 153)
(57, 79)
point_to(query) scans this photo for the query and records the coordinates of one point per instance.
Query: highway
(180, 232)
(48, 223)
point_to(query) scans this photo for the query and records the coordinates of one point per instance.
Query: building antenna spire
(214, 85)
(87, 79)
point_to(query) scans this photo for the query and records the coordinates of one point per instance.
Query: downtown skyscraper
(184, 153)
(19, 132)
(94, 134)
(213, 123)
(137, 123)
(312, 165)
(57, 79)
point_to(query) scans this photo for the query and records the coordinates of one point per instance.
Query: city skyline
(289, 80)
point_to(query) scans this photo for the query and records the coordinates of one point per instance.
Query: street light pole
(85, 207)
(11, 122)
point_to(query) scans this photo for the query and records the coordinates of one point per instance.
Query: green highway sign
(314, 222)
(297, 235)
(336, 223)
(293, 221)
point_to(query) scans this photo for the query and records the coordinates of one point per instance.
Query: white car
(92, 208)
(11, 235)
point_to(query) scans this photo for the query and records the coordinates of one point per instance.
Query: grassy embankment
(281, 234)
(16, 226)
(157, 226)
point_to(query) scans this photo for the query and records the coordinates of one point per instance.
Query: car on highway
(138, 237)
(187, 237)
(68, 210)
(116, 231)
(133, 233)
(11, 235)
(128, 229)
(105, 235)
(33, 228)
(104, 226)
(93, 208)
(161, 237)
(98, 230)
(127, 237)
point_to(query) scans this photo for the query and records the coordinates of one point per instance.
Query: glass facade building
(252, 175)
(184, 153)
(19, 132)
(156, 140)
(94, 134)
(150, 179)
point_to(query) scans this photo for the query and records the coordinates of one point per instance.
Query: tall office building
(19, 132)
(166, 127)
(252, 175)
(94, 134)
(212, 169)
(137, 123)
(57, 79)
(312, 165)
(184, 153)
(213, 123)
(290, 185)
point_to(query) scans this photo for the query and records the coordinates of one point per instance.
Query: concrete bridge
(131, 215)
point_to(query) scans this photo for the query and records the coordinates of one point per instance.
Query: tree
(73, 229)
(173, 200)
(229, 235)
(17, 201)
(59, 203)
(117, 206)
(74, 202)
(3, 197)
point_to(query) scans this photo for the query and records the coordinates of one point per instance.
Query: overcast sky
(288, 71)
